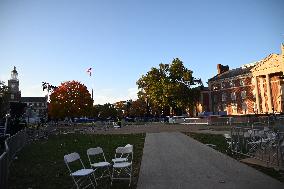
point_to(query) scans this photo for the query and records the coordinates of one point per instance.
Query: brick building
(37, 105)
(256, 88)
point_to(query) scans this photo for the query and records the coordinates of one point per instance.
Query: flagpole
(90, 73)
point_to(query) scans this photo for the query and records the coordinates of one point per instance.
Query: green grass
(41, 165)
(222, 146)
(217, 140)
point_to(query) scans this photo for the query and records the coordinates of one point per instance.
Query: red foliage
(70, 99)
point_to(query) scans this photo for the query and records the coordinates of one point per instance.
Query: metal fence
(243, 121)
(262, 143)
(13, 145)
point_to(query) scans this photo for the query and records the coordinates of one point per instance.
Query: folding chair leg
(109, 172)
(112, 176)
(91, 181)
(94, 175)
(130, 176)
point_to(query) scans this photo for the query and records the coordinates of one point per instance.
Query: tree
(71, 99)
(138, 108)
(105, 111)
(4, 99)
(169, 87)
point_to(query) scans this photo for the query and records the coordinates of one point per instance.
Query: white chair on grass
(122, 167)
(80, 176)
(120, 157)
(98, 162)
(228, 139)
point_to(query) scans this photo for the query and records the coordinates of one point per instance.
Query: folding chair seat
(98, 162)
(122, 170)
(80, 176)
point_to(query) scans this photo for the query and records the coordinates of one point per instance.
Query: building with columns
(255, 88)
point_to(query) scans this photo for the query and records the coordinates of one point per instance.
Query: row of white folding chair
(122, 163)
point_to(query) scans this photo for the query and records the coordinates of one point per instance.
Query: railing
(217, 120)
(262, 143)
(196, 121)
(13, 145)
(4, 167)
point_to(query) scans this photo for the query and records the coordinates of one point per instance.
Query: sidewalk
(174, 160)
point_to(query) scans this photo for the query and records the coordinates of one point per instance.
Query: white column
(262, 96)
(256, 95)
(269, 94)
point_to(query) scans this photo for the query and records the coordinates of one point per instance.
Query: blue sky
(57, 40)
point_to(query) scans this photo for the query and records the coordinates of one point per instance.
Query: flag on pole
(89, 71)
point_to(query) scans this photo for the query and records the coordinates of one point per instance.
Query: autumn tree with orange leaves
(71, 99)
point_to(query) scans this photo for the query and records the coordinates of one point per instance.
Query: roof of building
(33, 99)
(232, 73)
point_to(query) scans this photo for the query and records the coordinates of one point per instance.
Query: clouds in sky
(110, 96)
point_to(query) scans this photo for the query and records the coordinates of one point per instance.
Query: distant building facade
(202, 104)
(256, 88)
(36, 106)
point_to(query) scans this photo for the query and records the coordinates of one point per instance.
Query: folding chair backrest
(71, 157)
(97, 153)
(125, 151)
(94, 151)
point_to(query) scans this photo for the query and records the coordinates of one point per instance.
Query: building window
(244, 107)
(243, 94)
(12, 96)
(234, 108)
(242, 83)
(224, 96)
(233, 96)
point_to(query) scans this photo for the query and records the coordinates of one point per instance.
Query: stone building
(256, 88)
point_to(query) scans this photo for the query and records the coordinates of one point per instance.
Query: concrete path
(174, 160)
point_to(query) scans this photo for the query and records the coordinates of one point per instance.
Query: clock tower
(13, 84)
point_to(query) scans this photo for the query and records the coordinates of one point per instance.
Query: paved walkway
(174, 160)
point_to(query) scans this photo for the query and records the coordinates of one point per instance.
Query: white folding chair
(122, 167)
(80, 176)
(98, 162)
(228, 139)
(120, 157)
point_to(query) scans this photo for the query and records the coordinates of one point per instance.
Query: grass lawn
(222, 146)
(41, 164)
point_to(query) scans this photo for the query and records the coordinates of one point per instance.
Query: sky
(58, 40)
